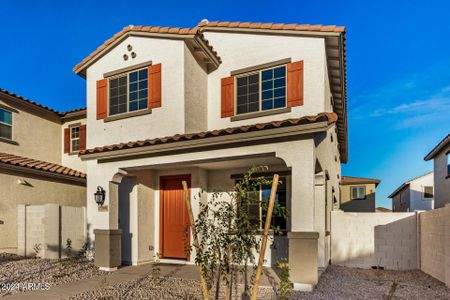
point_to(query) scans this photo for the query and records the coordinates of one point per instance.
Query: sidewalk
(124, 274)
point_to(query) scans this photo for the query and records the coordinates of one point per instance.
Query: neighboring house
(204, 104)
(441, 156)
(38, 160)
(358, 194)
(413, 195)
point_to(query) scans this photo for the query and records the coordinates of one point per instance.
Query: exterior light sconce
(99, 196)
(125, 57)
(129, 47)
(133, 54)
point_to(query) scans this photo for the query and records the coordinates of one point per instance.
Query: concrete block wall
(363, 240)
(435, 243)
(49, 226)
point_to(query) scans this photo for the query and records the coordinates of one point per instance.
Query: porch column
(108, 245)
(303, 239)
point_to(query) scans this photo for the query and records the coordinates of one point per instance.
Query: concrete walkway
(124, 274)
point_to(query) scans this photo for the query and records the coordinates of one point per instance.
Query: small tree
(229, 233)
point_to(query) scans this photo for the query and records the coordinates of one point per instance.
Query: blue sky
(397, 72)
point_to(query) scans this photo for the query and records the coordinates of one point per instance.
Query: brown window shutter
(83, 137)
(154, 86)
(66, 140)
(102, 98)
(295, 84)
(227, 97)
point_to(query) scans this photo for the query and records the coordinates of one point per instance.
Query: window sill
(127, 115)
(261, 114)
(73, 153)
(5, 140)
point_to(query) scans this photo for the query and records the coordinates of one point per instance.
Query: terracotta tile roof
(150, 29)
(439, 147)
(28, 101)
(272, 26)
(20, 161)
(355, 180)
(328, 117)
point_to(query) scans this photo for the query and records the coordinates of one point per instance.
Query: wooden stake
(273, 193)
(187, 198)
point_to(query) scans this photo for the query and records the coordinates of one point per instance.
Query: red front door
(175, 219)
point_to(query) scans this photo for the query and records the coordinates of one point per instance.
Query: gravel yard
(17, 270)
(336, 283)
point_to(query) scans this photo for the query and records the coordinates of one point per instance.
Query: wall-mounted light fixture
(129, 47)
(133, 54)
(100, 196)
(125, 57)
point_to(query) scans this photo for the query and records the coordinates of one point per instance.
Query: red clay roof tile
(15, 160)
(328, 117)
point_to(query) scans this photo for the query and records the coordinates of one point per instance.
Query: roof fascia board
(51, 116)
(42, 173)
(221, 140)
(81, 70)
(270, 31)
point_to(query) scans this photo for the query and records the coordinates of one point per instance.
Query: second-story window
(74, 139)
(358, 192)
(128, 92)
(261, 91)
(5, 124)
(427, 192)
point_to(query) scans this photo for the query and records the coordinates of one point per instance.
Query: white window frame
(73, 139)
(358, 187)
(9, 125)
(259, 72)
(126, 74)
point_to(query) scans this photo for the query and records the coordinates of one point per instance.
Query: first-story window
(5, 124)
(258, 210)
(427, 192)
(75, 139)
(128, 92)
(261, 91)
(358, 192)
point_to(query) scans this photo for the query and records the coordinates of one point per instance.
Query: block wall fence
(393, 241)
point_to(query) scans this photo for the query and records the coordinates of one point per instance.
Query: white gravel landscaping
(17, 272)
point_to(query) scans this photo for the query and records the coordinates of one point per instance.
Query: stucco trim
(8, 141)
(127, 69)
(261, 66)
(260, 114)
(127, 115)
(261, 135)
(303, 235)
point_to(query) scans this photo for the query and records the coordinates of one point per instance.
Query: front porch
(142, 219)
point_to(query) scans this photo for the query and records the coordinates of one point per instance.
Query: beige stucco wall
(363, 240)
(358, 205)
(435, 243)
(72, 160)
(38, 134)
(38, 191)
(441, 182)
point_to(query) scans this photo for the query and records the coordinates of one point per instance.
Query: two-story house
(204, 105)
(415, 194)
(358, 194)
(440, 155)
(39, 161)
